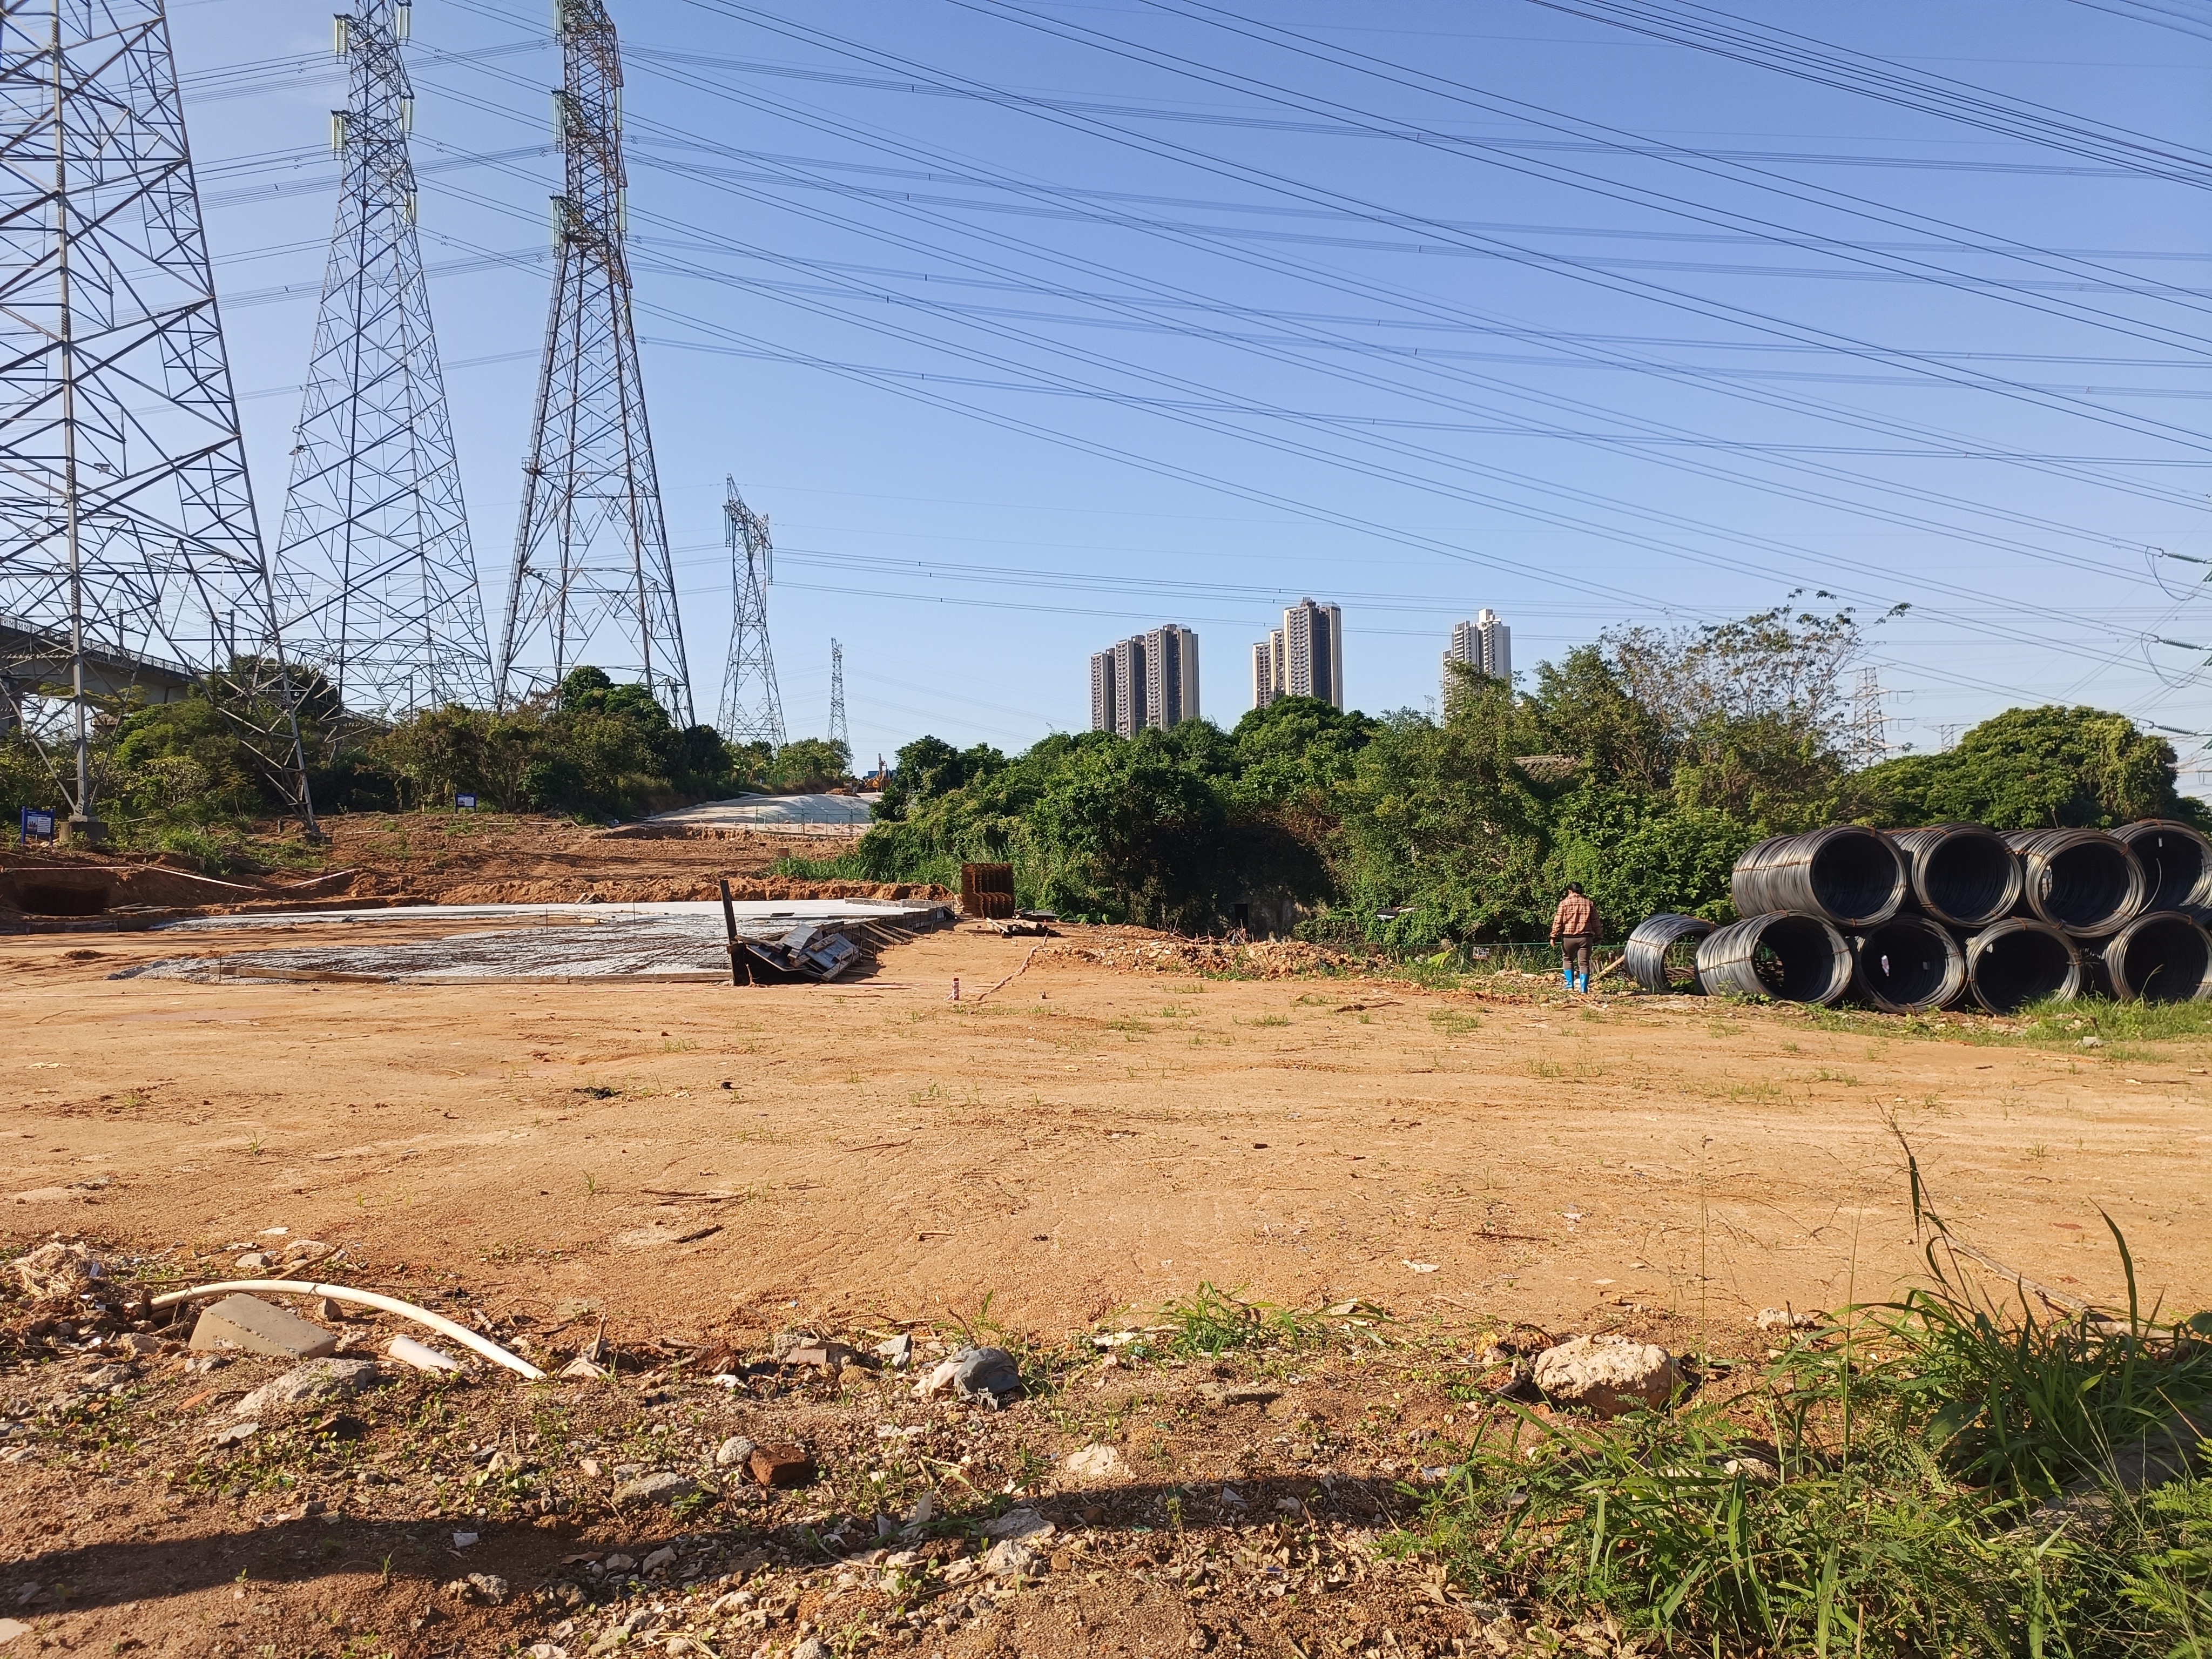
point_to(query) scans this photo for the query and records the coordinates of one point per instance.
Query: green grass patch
(1881, 1489)
(1211, 1321)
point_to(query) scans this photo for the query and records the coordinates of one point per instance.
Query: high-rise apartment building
(1304, 658)
(1147, 679)
(1485, 645)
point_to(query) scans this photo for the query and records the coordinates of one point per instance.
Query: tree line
(1640, 765)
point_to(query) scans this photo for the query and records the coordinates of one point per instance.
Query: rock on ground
(659, 1487)
(1093, 1462)
(1607, 1376)
(303, 1385)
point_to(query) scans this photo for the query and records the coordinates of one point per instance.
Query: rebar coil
(2177, 863)
(1644, 956)
(1789, 957)
(1964, 875)
(2081, 880)
(1908, 964)
(2164, 957)
(1845, 875)
(2019, 961)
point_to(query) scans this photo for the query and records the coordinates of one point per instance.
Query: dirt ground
(709, 1165)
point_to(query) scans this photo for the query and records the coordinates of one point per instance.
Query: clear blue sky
(1032, 325)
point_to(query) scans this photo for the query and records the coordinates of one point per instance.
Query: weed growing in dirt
(1452, 1023)
(1879, 1489)
(1211, 1321)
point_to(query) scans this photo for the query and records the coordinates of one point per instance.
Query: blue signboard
(39, 824)
(465, 803)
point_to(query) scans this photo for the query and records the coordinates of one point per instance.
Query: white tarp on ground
(677, 941)
(797, 815)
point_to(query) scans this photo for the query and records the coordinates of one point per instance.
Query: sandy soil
(711, 1164)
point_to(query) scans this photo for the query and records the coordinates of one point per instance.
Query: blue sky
(1030, 324)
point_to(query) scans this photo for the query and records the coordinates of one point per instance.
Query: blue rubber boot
(1582, 984)
(1568, 974)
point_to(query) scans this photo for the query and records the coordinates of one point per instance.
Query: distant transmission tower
(380, 579)
(592, 583)
(130, 561)
(1870, 726)
(837, 732)
(752, 708)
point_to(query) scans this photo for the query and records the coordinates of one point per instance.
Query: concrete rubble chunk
(813, 1648)
(897, 1353)
(255, 1262)
(1094, 1462)
(822, 1356)
(60, 1268)
(989, 1374)
(1019, 1524)
(1013, 1559)
(480, 1586)
(316, 1381)
(733, 1453)
(236, 1435)
(249, 1323)
(658, 1559)
(581, 1370)
(1607, 1376)
(661, 1486)
(781, 1466)
(1785, 1319)
(1238, 1394)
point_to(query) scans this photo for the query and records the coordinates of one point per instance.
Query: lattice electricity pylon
(592, 583)
(377, 579)
(131, 563)
(752, 708)
(837, 732)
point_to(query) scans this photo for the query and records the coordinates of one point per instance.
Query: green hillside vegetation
(1640, 765)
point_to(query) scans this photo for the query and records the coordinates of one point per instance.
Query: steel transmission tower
(837, 732)
(752, 708)
(378, 577)
(592, 583)
(131, 562)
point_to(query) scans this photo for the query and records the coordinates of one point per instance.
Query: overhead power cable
(1724, 35)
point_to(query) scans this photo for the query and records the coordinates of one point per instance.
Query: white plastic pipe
(438, 1322)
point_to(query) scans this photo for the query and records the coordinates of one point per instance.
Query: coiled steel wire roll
(1962, 874)
(2019, 961)
(2081, 880)
(1845, 875)
(1908, 964)
(2177, 863)
(1790, 958)
(1644, 956)
(2164, 957)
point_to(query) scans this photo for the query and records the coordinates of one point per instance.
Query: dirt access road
(704, 1159)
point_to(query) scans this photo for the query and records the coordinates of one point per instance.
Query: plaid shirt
(1577, 917)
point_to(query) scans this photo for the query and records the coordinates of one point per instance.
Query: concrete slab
(247, 1322)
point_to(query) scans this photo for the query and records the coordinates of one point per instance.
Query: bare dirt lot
(710, 1165)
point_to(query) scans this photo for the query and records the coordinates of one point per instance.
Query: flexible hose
(438, 1322)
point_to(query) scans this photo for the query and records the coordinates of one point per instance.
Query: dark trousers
(1574, 952)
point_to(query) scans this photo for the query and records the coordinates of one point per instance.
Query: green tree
(2030, 768)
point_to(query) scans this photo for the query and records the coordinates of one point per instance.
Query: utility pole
(837, 732)
(752, 708)
(592, 583)
(378, 577)
(131, 563)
